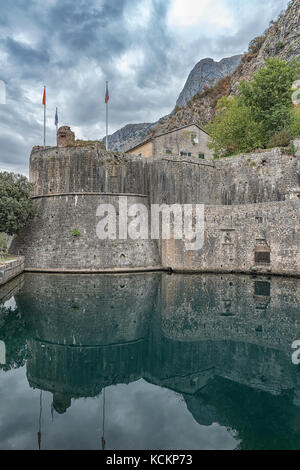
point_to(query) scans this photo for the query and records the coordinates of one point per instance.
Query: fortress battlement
(252, 210)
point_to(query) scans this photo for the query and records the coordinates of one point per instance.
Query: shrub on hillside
(256, 44)
(280, 139)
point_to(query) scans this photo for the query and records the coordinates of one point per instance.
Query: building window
(262, 257)
(194, 139)
(185, 154)
(201, 155)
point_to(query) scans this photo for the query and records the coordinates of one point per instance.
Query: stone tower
(65, 136)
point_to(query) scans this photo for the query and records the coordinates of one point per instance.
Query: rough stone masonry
(252, 211)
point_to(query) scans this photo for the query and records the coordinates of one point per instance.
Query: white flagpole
(106, 117)
(45, 117)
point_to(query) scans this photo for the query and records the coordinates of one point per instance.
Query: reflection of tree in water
(13, 333)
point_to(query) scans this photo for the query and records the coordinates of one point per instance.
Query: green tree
(16, 206)
(263, 114)
(268, 96)
(234, 130)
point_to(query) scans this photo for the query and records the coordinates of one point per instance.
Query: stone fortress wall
(252, 209)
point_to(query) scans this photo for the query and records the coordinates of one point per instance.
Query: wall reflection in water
(222, 342)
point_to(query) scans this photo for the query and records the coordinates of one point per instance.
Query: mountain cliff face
(127, 136)
(282, 40)
(205, 74)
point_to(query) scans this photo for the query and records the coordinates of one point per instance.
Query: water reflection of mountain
(223, 342)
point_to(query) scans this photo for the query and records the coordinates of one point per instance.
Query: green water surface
(149, 361)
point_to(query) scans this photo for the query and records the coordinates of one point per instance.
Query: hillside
(281, 39)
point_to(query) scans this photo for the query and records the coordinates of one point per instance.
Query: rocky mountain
(131, 134)
(127, 136)
(205, 74)
(281, 39)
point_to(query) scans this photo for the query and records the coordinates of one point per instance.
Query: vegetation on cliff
(281, 40)
(16, 205)
(261, 116)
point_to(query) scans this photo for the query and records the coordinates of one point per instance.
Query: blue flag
(56, 117)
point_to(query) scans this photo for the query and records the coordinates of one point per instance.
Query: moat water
(149, 361)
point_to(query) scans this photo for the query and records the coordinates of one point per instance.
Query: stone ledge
(249, 272)
(88, 194)
(97, 271)
(10, 269)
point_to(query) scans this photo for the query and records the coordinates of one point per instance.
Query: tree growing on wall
(16, 206)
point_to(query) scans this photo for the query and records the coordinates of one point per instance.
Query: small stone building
(190, 141)
(65, 136)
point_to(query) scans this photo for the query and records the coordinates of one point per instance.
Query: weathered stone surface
(85, 170)
(65, 136)
(49, 241)
(11, 269)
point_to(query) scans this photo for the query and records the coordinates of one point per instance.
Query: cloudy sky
(145, 48)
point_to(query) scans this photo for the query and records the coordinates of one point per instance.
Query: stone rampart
(252, 211)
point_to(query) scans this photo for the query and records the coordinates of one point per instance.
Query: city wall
(252, 211)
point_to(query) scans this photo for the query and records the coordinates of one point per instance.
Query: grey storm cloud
(74, 46)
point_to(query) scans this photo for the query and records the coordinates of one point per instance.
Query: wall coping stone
(89, 194)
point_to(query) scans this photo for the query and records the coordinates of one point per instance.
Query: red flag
(106, 94)
(44, 97)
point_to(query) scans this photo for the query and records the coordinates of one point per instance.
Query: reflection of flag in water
(56, 118)
(2, 353)
(39, 434)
